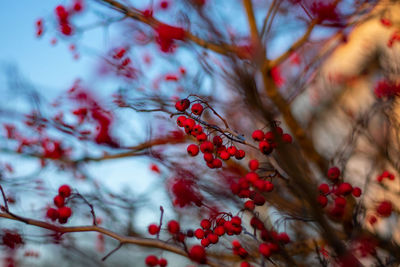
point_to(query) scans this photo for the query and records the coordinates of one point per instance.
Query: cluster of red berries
(212, 230)
(384, 209)
(63, 16)
(214, 151)
(152, 260)
(259, 185)
(39, 27)
(62, 213)
(385, 174)
(269, 140)
(338, 192)
(123, 64)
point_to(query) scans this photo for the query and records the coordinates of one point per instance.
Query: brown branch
(252, 20)
(144, 242)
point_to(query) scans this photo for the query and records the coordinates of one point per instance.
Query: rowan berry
(182, 104)
(333, 173)
(213, 238)
(249, 205)
(64, 191)
(356, 192)
(162, 262)
(340, 202)
(231, 150)
(198, 254)
(217, 163)
(224, 155)
(345, 188)
(199, 233)
(254, 164)
(197, 109)
(240, 154)
(205, 224)
(323, 188)
(269, 137)
(219, 230)
(322, 200)
(268, 186)
(236, 221)
(59, 201)
(153, 229)
(217, 141)
(265, 147)
(264, 250)
(173, 227)
(384, 208)
(258, 135)
(207, 147)
(197, 129)
(201, 137)
(287, 138)
(284, 238)
(193, 150)
(52, 214)
(252, 177)
(64, 212)
(259, 200)
(151, 260)
(180, 121)
(208, 157)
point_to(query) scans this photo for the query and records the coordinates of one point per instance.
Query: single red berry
(151, 260)
(258, 135)
(384, 208)
(269, 137)
(217, 140)
(284, 238)
(372, 220)
(189, 124)
(249, 205)
(279, 130)
(193, 150)
(199, 233)
(197, 129)
(77, 7)
(245, 264)
(162, 262)
(287, 138)
(66, 29)
(322, 200)
(205, 224)
(217, 163)
(268, 186)
(340, 202)
(252, 177)
(52, 214)
(65, 212)
(64, 191)
(198, 254)
(205, 242)
(213, 238)
(259, 184)
(153, 229)
(265, 147)
(240, 154)
(254, 164)
(164, 4)
(59, 201)
(182, 104)
(333, 173)
(356, 192)
(232, 150)
(173, 227)
(201, 137)
(323, 188)
(208, 157)
(264, 250)
(197, 109)
(259, 200)
(207, 147)
(236, 220)
(224, 155)
(219, 230)
(180, 121)
(345, 188)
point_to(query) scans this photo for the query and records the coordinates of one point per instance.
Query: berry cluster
(39, 27)
(214, 151)
(338, 192)
(152, 260)
(252, 186)
(269, 140)
(63, 16)
(62, 213)
(123, 64)
(385, 174)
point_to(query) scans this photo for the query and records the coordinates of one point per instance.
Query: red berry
(232, 150)
(207, 147)
(252, 177)
(278, 130)
(224, 155)
(284, 238)
(240, 154)
(180, 121)
(151, 260)
(197, 129)
(164, 4)
(269, 137)
(199, 233)
(163, 262)
(219, 230)
(254, 164)
(52, 214)
(245, 264)
(201, 137)
(217, 163)
(287, 138)
(217, 140)
(59, 201)
(153, 229)
(264, 250)
(236, 221)
(333, 173)
(322, 200)
(193, 150)
(340, 202)
(189, 124)
(65, 212)
(78, 6)
(268, 186)
(205, 242)
(356, 192)
(198, 254)
(323, 188)
(259, 200)
(249, 205)
(64, 191)
(384, 209)
(213, 238)
(208, 157)
(205, 224)
(66, 29)
(345, 188)
(173, 227)
(182, 105)
(197, 109)
(258, 135)
(265, 147)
